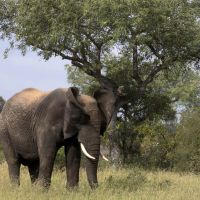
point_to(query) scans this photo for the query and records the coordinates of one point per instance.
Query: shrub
(187, 152)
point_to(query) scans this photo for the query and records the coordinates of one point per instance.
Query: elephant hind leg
(10, 154)
(33, 169)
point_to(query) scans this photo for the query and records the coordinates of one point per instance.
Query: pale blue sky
(18, 72)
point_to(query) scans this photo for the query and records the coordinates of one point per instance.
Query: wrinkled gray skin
(34, 125)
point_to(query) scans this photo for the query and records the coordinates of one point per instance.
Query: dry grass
(114, 184)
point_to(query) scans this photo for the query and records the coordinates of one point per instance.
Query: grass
(114, 183)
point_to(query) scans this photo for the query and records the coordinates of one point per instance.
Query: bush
(2, 102)
(187, 152)
(149, 144)
(157, 145)
(60, 159)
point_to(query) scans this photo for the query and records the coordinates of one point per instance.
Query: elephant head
(87, 118)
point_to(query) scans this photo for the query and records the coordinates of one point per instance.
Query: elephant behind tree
(34, 125)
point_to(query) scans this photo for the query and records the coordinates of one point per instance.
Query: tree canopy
(139, 38)
(151, 47)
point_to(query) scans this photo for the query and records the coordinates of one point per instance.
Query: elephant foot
(71, 185)
(93, 185)
(44, 184)
(15, 182)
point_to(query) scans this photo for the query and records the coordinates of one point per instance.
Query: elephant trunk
(91, 170)
(91, 145)
(89, 137)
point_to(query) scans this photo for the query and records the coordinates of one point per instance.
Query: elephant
(35, 124)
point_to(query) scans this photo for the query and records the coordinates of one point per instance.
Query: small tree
(2, 102)
(187, 154)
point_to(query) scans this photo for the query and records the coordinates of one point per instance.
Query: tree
(142, 38)
(2, 102)
(187, 152)
(145, 132)
(135, 43)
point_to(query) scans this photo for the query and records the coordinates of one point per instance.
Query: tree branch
(135, 74)
(83, 65)
(154, 51)
(98, 46)
(152, 74)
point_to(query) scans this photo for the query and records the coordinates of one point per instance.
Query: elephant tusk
(86, 153)
(104, 157)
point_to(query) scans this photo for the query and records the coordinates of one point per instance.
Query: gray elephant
(34, 125)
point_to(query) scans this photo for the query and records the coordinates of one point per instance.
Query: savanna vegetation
(115, 183)
(152, 48)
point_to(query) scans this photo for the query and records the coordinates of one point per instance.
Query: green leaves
(2, 102)
(86, 32)
(187, 150)
(130, 43)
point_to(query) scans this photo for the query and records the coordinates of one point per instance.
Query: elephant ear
(74, 115)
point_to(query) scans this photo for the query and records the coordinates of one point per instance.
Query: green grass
(114, 183)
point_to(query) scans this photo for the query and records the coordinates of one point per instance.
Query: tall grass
(114, 183)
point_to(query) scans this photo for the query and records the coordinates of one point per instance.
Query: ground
(114, 183)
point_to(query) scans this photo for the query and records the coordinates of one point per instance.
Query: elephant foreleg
(73, 157)
(47, 157)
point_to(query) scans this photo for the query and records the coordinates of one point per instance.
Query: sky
(18, 72)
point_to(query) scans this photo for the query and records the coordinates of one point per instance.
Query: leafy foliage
(84, 82)
(187, 154)
(141, 38)
(157, 145)
(2, 102)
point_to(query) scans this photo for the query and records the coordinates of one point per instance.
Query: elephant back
(17, 114)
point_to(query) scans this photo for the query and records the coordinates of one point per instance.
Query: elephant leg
(14, 172)
(10, 155)
(33, 169)
(73, 157)
(47, 157)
